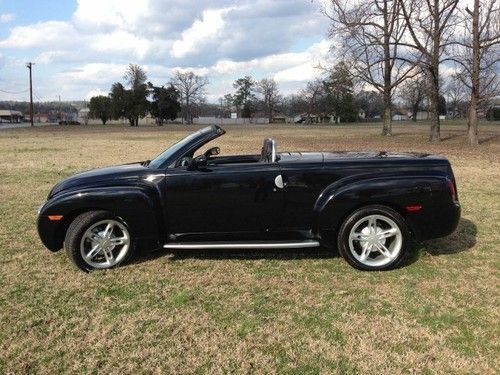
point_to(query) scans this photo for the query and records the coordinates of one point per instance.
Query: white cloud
(93, 74)
(96, 92)
(306, 64)
(214, 38)
(48, 57)
(123, 14)
(120, 41)
(42, 34)
(229, 66)
(299, 73)
(200, 32)
(6, 17)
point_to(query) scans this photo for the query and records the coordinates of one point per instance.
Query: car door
(224, 198)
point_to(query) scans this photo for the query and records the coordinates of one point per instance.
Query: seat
(268, 154)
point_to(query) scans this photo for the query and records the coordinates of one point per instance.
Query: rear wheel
(374, 238)
(98, 240)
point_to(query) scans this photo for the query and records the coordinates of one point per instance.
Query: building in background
(10, 116)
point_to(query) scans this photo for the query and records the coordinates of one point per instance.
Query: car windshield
(165, 155)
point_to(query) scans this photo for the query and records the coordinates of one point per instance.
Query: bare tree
(478, 57)
(456, 94)
(412, 92)
(268, 88)
(371, 32)
(430, 24)
(313, 96)
(135, 76)
(192, 90)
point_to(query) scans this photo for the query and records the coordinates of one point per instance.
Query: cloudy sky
(81, 47)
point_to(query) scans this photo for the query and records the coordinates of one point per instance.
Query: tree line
(391, 51)
(388, 42)
(132, 103)
(333, 98)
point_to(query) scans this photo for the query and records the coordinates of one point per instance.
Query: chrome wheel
(375, 240)
(105, 244)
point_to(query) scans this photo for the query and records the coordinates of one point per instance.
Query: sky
(80, 47)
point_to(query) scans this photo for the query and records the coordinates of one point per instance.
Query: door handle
(278, 181)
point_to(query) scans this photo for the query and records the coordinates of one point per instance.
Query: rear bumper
(435, 223)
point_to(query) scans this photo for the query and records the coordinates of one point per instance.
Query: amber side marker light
(55, 217)
(413, 208)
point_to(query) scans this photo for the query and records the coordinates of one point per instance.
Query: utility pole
(221, 111)
(29, 66)
(60, 111)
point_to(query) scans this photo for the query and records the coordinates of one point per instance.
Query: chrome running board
(242, 245)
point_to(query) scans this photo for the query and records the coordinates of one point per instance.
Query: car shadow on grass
(463, 239)
(248, 254)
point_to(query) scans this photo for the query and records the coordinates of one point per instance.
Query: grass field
(300, 312)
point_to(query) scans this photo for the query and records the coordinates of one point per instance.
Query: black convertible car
(370, 205)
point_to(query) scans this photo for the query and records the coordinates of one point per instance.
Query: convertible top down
(369, 205)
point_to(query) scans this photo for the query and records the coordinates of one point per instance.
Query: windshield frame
(186, 145)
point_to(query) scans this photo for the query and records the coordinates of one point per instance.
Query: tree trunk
(434, 75)
(415, 113)
(472, 123)
(434, 106)
(434, 101)
(387, 129)
(188, 111)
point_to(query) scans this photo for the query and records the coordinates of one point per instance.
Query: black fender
(138, 206)
(398, 192)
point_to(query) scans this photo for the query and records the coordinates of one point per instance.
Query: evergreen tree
(100, 107)
(165, 104)
(339, 94)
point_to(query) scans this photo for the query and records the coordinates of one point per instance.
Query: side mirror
(212, 152)
(197, 162)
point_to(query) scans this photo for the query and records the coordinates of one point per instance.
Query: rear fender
(343, 197)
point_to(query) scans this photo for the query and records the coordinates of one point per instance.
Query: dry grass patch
(246, 312)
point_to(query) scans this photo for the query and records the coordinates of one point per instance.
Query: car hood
(101, 177)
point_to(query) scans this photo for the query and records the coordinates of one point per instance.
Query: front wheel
(98, 240)
(374, 238)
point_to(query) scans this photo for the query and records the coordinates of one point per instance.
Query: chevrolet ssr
(369, 205)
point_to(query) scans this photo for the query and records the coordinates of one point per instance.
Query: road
(6, 125)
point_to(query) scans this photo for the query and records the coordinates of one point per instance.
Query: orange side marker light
(55, 217)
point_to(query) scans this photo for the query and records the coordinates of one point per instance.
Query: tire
(374, 238)
(98, 240)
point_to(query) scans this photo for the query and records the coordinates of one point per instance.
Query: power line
(14, 92)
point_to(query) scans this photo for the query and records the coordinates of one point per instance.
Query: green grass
(292, 312)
